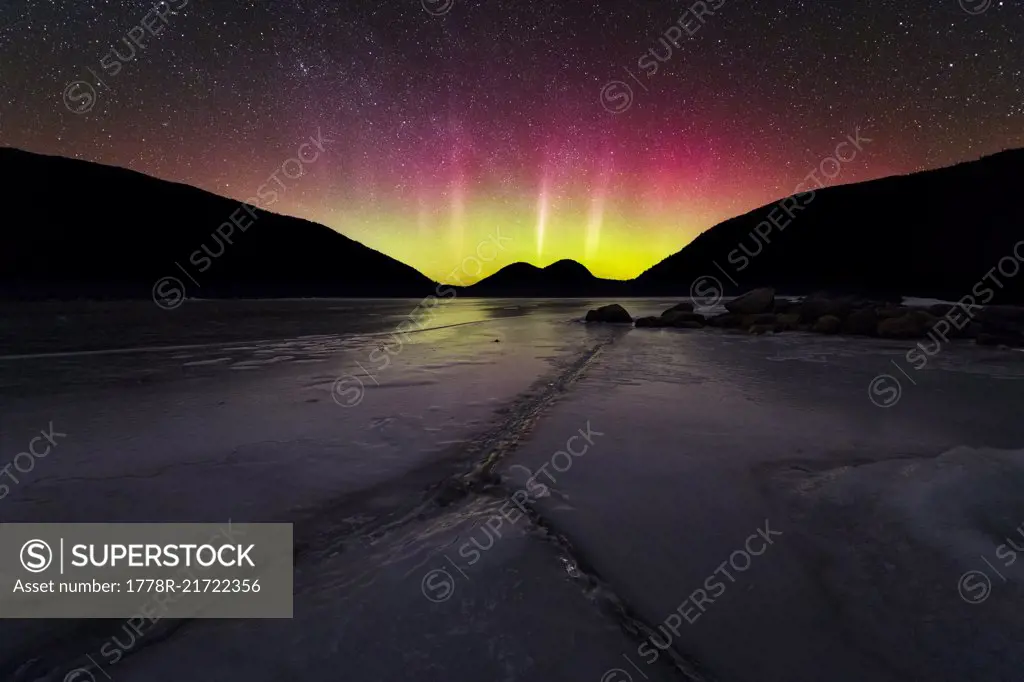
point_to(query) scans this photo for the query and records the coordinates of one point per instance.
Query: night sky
(449, 120)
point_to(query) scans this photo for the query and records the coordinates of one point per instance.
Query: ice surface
(703, 437)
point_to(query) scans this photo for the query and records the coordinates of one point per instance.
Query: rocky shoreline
(760, 312)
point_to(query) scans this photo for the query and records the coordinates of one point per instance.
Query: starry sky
(610, 132)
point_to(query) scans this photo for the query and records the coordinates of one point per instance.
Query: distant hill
(934, 233)
(74, 229)
(565, 278)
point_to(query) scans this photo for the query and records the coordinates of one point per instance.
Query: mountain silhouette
(76, 229)
(932, 233)
(564, 278)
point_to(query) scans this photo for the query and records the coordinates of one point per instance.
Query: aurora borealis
(450, 119)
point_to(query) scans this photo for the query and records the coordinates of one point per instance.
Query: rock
(783, 307)
(609, 313)
(747, 321)
(886, 312)
(453, 491)
(940, 309)
(787, 322)
(753, 302)
(909, 326)
(925, 318)
(653, 322)
(955, 323)
(999, 325)
(679, 319)
(818, 305)
(827, 324)
(726, 321)
(682, 317)
(1000, 318)
(1000, 312)
(759, 329)
(684, 307)
(863, 322)
(763, 318)
(959, 321)
(989, 339)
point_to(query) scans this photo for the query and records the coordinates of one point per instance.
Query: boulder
(763, 318)
(1000, 312)
(1000, 318)
(783, 307)
(609, 313)
(863, 322)
(753, 302)
(925, 318)
(990, 339)
(959, 320)
(681, 317)
(726, 321)
(819, 305)
(655, 322)
(787, 322)
(886, 312)
(940, 309)
(913, 325)
(759, 329)
(684, 307)
(827, 324)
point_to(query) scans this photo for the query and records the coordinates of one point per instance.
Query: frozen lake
(744, 509)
